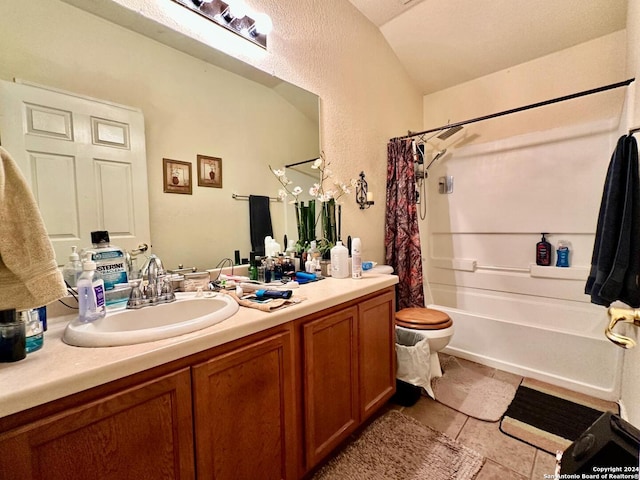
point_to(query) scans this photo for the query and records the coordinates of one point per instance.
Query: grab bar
(624, 315)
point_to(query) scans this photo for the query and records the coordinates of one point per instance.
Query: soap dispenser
(73, 269)
(543, 252)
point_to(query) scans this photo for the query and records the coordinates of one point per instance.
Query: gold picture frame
(209, 171)
(176, 176)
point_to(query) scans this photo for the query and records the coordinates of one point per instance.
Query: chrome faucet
(158, 289)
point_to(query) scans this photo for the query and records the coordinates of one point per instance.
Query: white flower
(328, 172)
(345, 188)
(297, 191)
(317, 163)
(278, 173)
(353, 183)
(285, 181)
(313, 191)
(328, 195)
(282, 194)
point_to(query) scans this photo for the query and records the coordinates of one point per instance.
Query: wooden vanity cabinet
(244, 412)
(270, 406)
(142, 432)
(348, 359)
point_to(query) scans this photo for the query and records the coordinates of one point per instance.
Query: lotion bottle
(339, 261)
(356, 258)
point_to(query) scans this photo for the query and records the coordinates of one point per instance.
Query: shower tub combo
(550, 341)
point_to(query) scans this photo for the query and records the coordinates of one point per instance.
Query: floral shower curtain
(402, 238)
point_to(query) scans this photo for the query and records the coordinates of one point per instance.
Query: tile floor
(506, 457)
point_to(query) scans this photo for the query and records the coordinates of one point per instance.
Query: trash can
(413, 366)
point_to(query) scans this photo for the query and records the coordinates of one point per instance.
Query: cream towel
(29, 275)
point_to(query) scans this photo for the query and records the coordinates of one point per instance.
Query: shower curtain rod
(519, 109)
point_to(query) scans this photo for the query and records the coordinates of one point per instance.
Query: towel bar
(624, 315)
(235, 196)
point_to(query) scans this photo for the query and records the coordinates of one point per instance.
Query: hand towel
(259, 222)
(615, 263)
(29, 275)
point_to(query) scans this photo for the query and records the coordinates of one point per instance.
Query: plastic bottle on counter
(356, 258)
(91, 294)
(339, 261)
(73, 269)
(33, 329)
(110, 261)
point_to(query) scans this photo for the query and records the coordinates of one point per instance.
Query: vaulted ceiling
(442, 43)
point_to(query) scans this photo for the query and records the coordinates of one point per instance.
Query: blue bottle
(562, 254)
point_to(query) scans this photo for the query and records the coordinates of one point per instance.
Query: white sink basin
(127, 327)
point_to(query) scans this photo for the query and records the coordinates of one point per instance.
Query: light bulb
(237, 9)
(263, 24)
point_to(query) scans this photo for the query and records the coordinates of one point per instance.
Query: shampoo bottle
(356, 258)
(543, 252)
(91, 301)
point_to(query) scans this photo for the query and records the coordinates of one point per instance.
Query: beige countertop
(58, 370)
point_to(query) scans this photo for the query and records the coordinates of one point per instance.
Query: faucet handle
(166, 291)
(136, 299)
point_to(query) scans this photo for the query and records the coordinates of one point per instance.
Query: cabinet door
(144, 432)
(244, 412)
(376, 335)
(330, 382)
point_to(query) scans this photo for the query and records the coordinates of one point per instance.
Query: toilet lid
(423, 319)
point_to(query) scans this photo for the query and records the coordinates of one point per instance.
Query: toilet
(437, 326)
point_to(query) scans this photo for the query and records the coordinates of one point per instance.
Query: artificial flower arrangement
(306, 219)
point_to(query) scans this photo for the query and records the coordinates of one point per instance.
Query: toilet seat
(420, 318)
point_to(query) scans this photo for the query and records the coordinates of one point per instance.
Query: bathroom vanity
(260, 395)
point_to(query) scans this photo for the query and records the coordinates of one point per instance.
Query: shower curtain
(402, 237)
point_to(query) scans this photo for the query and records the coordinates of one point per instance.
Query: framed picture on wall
(209, 171)
(176, 176)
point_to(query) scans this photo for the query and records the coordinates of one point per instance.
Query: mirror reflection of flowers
(306, 219)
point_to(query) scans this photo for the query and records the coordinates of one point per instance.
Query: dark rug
(550, 418)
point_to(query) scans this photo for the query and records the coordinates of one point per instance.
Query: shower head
(437, 156)
(449, 132)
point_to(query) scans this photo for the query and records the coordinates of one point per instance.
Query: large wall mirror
(192, 106)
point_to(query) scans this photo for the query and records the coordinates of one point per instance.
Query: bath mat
(473, 390)
(396, 446)
(550, 417)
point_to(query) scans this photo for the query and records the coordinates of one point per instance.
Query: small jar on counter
(13, 340)
(33, 329)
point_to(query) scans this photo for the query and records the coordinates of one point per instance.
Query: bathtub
(561, 343)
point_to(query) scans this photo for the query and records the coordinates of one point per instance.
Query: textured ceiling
(443, 43)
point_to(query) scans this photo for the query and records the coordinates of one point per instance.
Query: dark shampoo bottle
(543, 252)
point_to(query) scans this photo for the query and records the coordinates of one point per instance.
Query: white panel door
(85, 161)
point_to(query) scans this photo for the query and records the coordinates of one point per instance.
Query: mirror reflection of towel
(259, 222)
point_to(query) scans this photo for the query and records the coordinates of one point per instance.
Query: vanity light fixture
(363, 196)
(234, 15)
